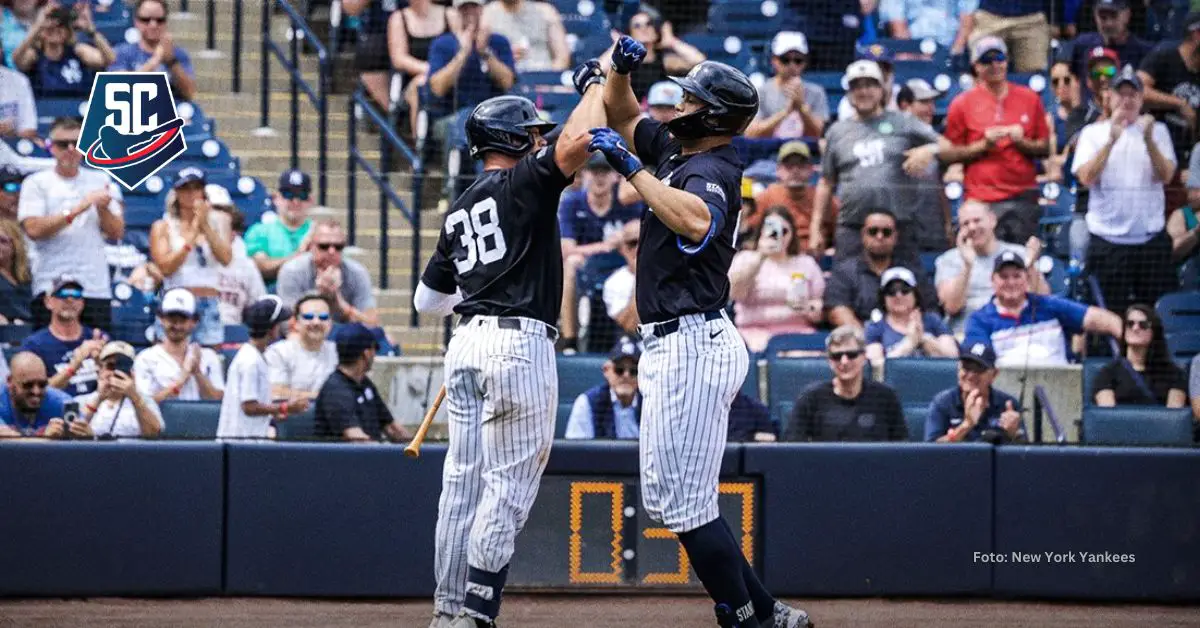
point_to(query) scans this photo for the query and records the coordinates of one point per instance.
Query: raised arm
(571, 150)
(620, 105)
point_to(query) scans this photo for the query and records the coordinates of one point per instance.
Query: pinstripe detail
(501, 395)
(688, 380)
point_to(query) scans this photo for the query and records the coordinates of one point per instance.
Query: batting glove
(587, 74)
(609, 142)
(627, 55)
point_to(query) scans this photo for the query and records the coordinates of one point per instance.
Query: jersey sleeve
(439, 272)
(1070, 314)
(538, 171)
(651, 142)
(714, 196)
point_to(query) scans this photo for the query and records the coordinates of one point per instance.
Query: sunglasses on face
(630, 243)
(994, 57)
(1143, 325)
(1061, 80)
(838, 356)
(294, 195)
(639, 24)
(152, 20)
(69, 294)
(35, 384)
(62, 144)
(310, 316)
(621, 371)
(880, 232)
(898, 289)
(12, 188)
(326, 246)
(1104, 72)
(793, 60)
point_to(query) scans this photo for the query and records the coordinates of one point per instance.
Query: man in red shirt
(1003, 127)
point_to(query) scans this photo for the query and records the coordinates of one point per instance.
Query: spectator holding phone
(58, 64)
(118, 409)
(29, 406)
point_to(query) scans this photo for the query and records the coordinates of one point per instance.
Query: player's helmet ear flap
(503, 124)
(731, 102)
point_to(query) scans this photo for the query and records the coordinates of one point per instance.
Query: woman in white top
(118, 409)
(188, 246)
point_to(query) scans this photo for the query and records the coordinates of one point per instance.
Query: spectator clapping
(975, 410)
(57, 62)
(534, 29)
(156, 50)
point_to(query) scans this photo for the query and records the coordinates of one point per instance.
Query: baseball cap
(877, 53)
(625, 348)
(353, 339)
(792, 149)
(1008, 258)
(217, 195)
(898, 273)
(10, 175)
(64, 280)
(787, 41)
(117, 347)
(264, 314)
(922, 90)
(980, 353)
(863, 68)
(459, 3)
(178, 301)
(295, 179)
(1128, 77)
(991, 43)
(191, 174)
(1100, 52)
(1111, 5)
(664, 94)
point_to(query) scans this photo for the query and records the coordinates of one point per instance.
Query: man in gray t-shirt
(788, 106)
(346, 283)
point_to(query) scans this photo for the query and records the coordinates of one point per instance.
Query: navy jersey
(674, 276)
(500, 243)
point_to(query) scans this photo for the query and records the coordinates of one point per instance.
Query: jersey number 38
(481, 236)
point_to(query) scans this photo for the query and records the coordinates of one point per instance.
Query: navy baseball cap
(1128, 77)
(1008, 258)
(980, 353)
(353, 339)
(877, 53)
(10, 175)
(625, 348)
(191, 174)
(296, 180)
(264, 314)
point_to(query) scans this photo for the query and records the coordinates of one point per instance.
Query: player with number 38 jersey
(499, 264)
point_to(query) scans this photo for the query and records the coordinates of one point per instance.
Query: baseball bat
(414, 448)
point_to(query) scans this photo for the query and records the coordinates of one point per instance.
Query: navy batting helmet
(730, 98)
(502, 124)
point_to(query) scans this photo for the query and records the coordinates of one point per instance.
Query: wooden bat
(414, 448)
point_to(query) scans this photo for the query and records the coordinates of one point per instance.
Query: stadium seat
(723, 47)
(14, 335)
(237, 334)
(142, 210)
(50, 108)
(918, 380)
(249, 194)
(133, 314)
(1180, 311)
(190, 419)
(576, 374)
(1137, 425)
(928, 49)
(781, 343)
(1184, 344)
(751, 18)
(781, 415)
(750, 386)
(788, 377)
(27, 148)
(1091, 367)
(914, 418)
(302, 426)
(227, 356)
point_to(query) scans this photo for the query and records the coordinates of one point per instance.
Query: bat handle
(414, 448)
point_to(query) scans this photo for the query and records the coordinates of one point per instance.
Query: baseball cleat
(788, 617)
(467, 621)
(441, 620)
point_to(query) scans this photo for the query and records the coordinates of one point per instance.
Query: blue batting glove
(612, 146)
(587, 74)
(627, 55)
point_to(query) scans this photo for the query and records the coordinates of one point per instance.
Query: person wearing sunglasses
(1144, 350)
(274, 243)
(58, 64)
(851, 407)
(176, 368)
(789, 106)
(10, 192)
(68, 212)
(1002, 127)
(66, 346)
(324, 270)
(29, 406)
(15, 292)
(301, 363)
(905, 330)
(852, 293)
(666, 54)
(156, 50)
(1112, 19)
(974, 410)
(119, 408)
(612, 410)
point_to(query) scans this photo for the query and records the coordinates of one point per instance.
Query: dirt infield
(546, 611)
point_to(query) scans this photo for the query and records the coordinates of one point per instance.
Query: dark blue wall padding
(615, 457)
(111, 519)
(331, 520)
(874, 519)
(1122, 501)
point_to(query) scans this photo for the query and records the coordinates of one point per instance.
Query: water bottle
(797, 295)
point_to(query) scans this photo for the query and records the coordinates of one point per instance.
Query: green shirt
(275, 238)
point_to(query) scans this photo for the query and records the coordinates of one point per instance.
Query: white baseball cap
(922, 90)
(664, 94)
(787, 41)
(178, 301)
(863, 69)
(218, 195)
(898, 273)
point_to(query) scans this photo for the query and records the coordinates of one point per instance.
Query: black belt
(511, 322)
(665, 329)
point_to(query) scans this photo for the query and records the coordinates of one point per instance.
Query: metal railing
(210, 37)
(391, 146)
(318, 97)
(1041, 405)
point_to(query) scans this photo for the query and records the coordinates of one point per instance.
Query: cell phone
(124, 364)
(70, 412)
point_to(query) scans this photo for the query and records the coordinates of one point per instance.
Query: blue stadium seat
(237, 334)
(1137, 425)
(133, 314)
(780, 343)
(142, 210)
(750, 386)
(302, 426)
(1184, 344)
(919, 380)
(191, 419)
(928, 49)
(576, 374)
(747, 17)
(726, 48)
(50, 108)
(1180, 311)
(914, 416)
(540, 81)
(14, 335)
(788, 377)
(27, 148)
(1056, 275)
(1091, 367)
(781, 414)
(929, 263)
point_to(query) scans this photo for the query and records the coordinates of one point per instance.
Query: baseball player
(694, 360)
(499, 264)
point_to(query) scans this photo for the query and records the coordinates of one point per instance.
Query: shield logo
(131, 129)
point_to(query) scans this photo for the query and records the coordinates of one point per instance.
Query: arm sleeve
(439, 273)
(503, 51)
(874, 332)
(580, 425)
(937, 422)
(121, 59)
(818, 102)
(935, 325)
(441, 51)
(714, 196)
(921, 132)
(277, 366)
(651, 142)
(430, 301)
(1070, 314)
(255, 239)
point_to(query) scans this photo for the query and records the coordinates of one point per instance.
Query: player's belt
(511, 322)
(672, 326)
